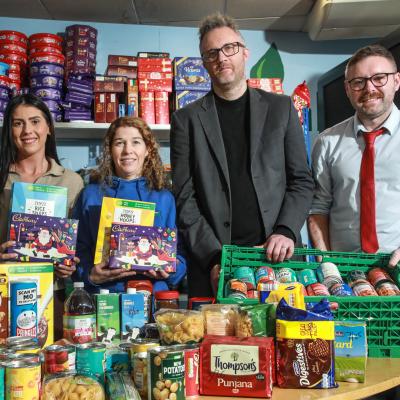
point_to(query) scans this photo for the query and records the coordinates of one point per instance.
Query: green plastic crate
(382, 314)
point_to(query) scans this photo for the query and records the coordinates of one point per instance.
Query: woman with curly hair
(130, 169)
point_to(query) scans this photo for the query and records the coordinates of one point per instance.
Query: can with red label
(192, 363)
(364, 288)
(387, 289)
(317, 289)
(59, 359)
(264, 274)
(377, 276)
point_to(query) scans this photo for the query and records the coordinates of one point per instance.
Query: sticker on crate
(42, 238)
(143, 248)
(350, 351)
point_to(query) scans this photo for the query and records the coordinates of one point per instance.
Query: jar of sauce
(167, 299)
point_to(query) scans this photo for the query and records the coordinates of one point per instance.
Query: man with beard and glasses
(356, 164)
(239, 167)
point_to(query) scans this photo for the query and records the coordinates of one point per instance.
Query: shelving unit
(89, 130)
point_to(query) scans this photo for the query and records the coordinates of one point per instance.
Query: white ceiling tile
(153, 11)
(267, 8)
(289, 23)
(23, 9)
(116, 11)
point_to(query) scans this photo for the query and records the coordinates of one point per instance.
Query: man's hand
(101, 273)
(214, 278)
(4, 256)
(278, 248)
(394, 259)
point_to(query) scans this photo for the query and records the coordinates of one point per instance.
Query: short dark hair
(372, 50)
(8, 150)
(215, 21)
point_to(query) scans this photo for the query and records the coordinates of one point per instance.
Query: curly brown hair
(153, 170)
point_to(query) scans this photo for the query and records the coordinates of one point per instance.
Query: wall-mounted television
(332, 102)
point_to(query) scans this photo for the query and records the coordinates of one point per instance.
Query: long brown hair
(153, 170)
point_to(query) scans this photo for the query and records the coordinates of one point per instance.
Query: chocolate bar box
(143, 248)
(42, 238)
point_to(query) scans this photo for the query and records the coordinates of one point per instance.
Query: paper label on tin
(26, 296)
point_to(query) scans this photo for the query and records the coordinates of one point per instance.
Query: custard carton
(42, 274)
(350, 351)
(120, 211)
(107, 317)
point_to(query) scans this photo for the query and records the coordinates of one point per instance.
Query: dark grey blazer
(200, 176)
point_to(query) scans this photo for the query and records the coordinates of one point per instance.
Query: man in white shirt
(371, 81)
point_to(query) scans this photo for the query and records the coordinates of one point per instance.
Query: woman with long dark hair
(28, 154)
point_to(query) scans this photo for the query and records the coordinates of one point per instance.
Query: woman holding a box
(28, 154)
(130, 169)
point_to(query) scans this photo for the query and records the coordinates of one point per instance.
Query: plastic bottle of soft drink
(79, 320)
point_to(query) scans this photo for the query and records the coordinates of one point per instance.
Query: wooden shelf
(76, 131)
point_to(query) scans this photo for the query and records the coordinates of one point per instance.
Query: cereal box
(350, 351)
(42, 273)
(190, 74)
(42, 238)
(143, 248)
(37, 199)
(120, 211)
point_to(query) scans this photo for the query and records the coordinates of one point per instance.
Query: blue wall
(303, 58)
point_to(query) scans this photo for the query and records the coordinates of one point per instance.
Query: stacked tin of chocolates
(80, 50)
(47, 70)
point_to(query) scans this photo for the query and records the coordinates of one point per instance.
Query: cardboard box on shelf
(100, 108)
(161, 105)
(111, 107)
(147, 108)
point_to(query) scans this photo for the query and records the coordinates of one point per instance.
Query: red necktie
(369, 239)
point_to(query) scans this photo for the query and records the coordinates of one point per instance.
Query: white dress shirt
(336, 160)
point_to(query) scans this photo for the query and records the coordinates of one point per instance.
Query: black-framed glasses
(378, 80)
(229, 49)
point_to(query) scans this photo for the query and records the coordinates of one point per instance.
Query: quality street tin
(166, 379)
(22, 380)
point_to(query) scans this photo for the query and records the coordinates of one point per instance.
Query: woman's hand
(101, 273)
(161, 274)
(65, 271)
(4, 256)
